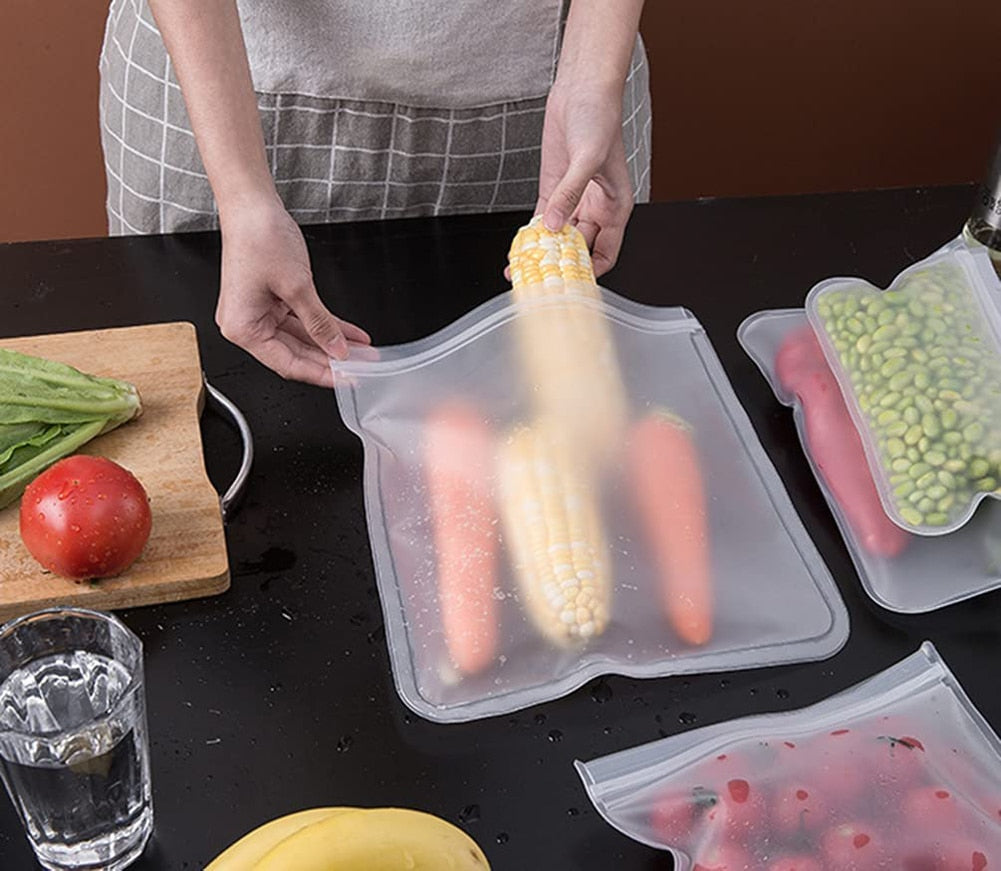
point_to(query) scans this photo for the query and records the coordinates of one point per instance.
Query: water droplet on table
(601, 692)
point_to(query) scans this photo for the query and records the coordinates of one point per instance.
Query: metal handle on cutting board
(224, 404)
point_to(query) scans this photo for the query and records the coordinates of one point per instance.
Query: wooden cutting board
(185, 556)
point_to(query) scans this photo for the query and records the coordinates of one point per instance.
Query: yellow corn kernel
(567, 350)
(552, 529)
(540, 257)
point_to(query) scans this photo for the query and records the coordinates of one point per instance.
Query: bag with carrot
(562, 484)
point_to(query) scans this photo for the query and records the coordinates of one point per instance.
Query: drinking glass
(74, 752)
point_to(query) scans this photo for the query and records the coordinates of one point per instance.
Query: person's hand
(268, 304)
(583, 178)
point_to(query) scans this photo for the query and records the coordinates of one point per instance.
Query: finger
(589, 230)
(362, 351)
(293, 359)
(322, 327)
(607, 244)
(355, 333)
(564, 199)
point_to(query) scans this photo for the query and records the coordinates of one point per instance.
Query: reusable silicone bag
(920, 369)
(898, 772)
(900, 571)
(517, 547)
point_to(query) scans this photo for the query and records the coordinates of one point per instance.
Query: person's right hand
(268, 304)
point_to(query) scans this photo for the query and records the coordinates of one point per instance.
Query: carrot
(835, 444)
(458, 464)
(670, 497)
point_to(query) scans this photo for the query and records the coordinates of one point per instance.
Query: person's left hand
(583, 178)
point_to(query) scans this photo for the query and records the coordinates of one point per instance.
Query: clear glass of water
(74, 752)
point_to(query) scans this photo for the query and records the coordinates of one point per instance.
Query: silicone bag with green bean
(919, 365)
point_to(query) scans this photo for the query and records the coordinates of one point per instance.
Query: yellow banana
(244, 854)
(376, 839)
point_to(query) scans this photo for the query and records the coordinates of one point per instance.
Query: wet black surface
(277, 695)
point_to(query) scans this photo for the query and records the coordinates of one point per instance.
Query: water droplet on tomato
(41, 516)
(65, 491)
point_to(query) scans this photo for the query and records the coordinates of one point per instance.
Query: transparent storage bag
(558, 488)
(920, 369)
(899, 772)
(901, 571)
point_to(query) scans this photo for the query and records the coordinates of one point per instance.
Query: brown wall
(790, 96)
(769, 96)
(51, 172)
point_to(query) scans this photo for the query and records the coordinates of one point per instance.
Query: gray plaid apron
(332, 158)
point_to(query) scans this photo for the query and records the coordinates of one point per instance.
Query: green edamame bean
(979, 467)
(946, 478)
(931, 425)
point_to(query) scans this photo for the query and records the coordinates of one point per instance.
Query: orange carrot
(670, 498)
(458, 464)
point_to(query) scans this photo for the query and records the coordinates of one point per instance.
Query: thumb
(323, 328)
(562, 202)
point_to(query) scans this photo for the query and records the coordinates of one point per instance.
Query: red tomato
(796, 863)
(723, 857)
(85, 517)
(961, 855)
(929, 809)
(797, 809)
(855, 845)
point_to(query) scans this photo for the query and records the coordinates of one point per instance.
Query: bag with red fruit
(898, 772)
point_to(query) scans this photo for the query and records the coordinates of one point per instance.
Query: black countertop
(277, 695)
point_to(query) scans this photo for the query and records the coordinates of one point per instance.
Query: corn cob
(566, 345)
(554, 537)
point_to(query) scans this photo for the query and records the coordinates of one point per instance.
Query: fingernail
(551, 224)
(338, 348)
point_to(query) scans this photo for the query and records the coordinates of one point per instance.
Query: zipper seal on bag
(500, 310)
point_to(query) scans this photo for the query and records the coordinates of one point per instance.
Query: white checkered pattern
(332, 159)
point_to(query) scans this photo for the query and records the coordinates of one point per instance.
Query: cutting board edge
(71, 333)
(125, 599)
